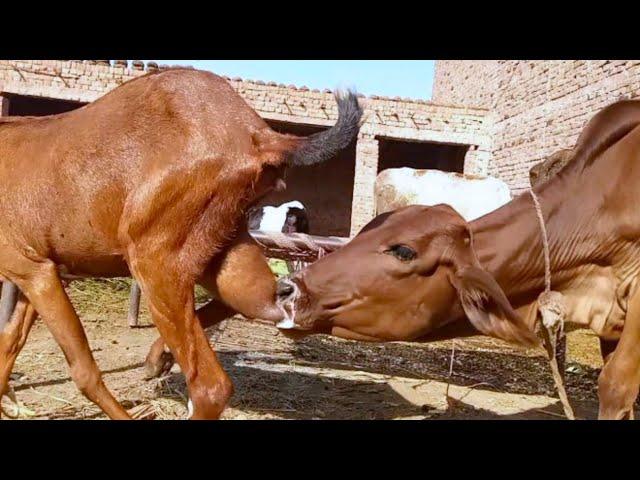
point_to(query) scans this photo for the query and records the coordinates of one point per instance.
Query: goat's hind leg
(38, 279)
(12, 339)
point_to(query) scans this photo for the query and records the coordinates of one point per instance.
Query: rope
(536, 202)
(552, 312)
(545, 242)
(551, 308)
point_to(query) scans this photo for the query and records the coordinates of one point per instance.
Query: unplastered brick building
(445, 134)
(535, 107)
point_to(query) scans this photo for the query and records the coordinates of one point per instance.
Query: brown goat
(153, 179)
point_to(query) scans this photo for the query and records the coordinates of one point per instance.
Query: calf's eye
(402, 252)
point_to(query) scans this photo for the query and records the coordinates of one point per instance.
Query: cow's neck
(509, 244)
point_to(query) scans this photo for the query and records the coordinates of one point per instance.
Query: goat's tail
(322, 146)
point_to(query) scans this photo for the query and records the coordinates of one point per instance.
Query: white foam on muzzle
(286, 324)
(288, 307)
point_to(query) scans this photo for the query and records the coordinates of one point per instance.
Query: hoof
(158, 367)
(142, 412)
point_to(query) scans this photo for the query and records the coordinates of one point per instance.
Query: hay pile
(101, 296)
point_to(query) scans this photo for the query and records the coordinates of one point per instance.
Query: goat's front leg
(607, 347)
(170, 298)
(241, 282)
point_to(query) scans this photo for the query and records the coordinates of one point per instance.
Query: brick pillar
(476, 162)
(363, 205)
(4, 106)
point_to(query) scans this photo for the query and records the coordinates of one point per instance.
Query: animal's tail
(322, 146)
(319, 147)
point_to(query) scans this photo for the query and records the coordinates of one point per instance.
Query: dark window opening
(21, 105)
(421, 155)
(326, 190)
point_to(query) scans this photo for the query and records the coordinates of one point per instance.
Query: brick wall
(397, 118)
(82, 81)
(537, 107)
(364, 181)
(466, 82)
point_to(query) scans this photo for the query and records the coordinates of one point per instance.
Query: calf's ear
(488, 308)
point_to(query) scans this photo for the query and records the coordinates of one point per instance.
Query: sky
(391, 78)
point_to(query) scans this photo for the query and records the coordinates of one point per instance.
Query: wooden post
(134, 304)
(4, 105)
(363, 206)
(8, 302)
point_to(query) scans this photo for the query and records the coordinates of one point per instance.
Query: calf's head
(404, 275)
(296, 221)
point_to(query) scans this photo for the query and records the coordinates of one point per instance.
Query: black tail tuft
(323, 146)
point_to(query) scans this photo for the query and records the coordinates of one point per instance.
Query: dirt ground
(317, 378)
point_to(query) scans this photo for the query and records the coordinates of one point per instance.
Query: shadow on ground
(288, 385)
(301, 395)
(507, 372)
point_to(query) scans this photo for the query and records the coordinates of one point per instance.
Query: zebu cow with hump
(471, 196)
(411, 272)
(548, 168)
(153, 179)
